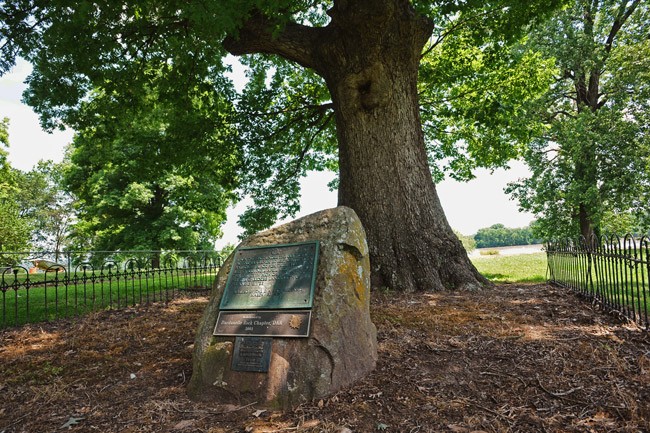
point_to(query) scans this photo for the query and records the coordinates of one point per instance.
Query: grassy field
(52, 296)
(57, 297)
(522, 268)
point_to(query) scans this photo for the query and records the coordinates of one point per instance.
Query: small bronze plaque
(272, 277)
(252, 354)
(263, 323)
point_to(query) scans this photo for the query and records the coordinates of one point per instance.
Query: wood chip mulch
(513, 358)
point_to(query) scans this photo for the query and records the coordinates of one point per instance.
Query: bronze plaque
(272, 277)
(252, 354)
(263, 323)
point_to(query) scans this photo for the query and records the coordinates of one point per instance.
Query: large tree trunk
(384, 172)
(385, 178)
(369, 56)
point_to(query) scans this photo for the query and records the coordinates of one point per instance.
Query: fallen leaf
(72, 421)
(258, 412)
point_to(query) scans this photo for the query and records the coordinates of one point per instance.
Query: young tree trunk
(586, 173)
(587, 228)
(369, 56)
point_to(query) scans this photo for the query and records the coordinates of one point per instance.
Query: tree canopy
(35, 210)
(14, 231)
(334, 84)
(46, 205)
(591, 161)
(158, 176)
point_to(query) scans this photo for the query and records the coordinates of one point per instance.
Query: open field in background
(514, 250)
(48, 296)
(53, 295)
(520, 268)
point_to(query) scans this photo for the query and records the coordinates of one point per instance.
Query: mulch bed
(513, 358)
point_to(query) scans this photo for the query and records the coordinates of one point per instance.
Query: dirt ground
(515, 358)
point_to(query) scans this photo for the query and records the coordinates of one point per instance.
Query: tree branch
(316, 107)
(323, 120)
(454, 25)
(556, 113)
(294, 42)
(620, 19)
(431, 102)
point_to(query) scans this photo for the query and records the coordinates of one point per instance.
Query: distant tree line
(499, 235)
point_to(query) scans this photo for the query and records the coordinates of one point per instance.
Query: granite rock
(342, 345)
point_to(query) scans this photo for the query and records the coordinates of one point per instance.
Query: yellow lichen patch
(350, 274)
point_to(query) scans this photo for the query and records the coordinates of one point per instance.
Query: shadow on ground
(520, 358)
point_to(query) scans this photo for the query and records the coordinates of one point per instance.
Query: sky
(468, 206)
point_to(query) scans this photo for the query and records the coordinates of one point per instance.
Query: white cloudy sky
(468, 206)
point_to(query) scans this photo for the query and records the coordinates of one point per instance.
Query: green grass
(522, 268)
(78, 296)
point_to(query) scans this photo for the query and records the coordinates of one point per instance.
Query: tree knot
(368, 89)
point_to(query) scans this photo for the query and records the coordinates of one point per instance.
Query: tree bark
(369, 56)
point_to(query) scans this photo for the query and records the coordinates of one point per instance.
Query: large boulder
(342, 345)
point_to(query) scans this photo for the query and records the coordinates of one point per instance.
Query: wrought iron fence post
(590, 281)
(78, 282)
(608, 270)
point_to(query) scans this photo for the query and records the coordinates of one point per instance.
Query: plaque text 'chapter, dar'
(282, 323)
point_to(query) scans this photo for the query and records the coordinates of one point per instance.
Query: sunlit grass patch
(521, 268)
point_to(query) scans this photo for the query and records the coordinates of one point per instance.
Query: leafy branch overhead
(332, 85)
(172, 48)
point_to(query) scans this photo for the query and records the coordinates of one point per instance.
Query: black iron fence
(43, 286)
(612, 271)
